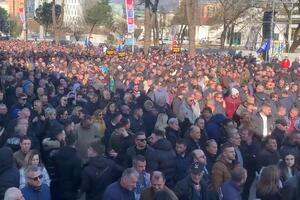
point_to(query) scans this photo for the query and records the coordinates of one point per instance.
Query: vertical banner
(22, 15)
(130, 15)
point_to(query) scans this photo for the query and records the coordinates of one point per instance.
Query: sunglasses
(36, 178)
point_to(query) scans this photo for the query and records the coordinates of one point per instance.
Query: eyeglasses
(36, 178)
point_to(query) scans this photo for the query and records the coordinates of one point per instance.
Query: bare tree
(289, 10)
(191, 12)
(57, 23)
(151, 23)
(231, 11)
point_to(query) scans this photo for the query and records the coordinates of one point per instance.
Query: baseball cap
(197, 167)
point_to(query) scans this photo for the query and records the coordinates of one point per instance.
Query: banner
(22, 15)
(130, 15)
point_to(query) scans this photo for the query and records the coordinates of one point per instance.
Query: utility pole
(26, 20)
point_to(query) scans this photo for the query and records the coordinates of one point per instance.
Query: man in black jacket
(9, 174)
(280, 131)
(269, 155)
(99, 172)
(67, 170)
(192, 187)
(141, 148)
(165, 156)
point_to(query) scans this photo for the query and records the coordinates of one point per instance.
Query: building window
(236, 38)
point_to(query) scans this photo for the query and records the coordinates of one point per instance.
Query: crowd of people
(76, 123)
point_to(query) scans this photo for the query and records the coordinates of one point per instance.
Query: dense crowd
(76, 123)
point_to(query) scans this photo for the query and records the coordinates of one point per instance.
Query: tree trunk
(231, 32)
(296, 40)
(56, 39)
(191, 7)
(286, 38)
(182, 34)
(223, 36)
(147, 34)
(92, 29)
(156, 27)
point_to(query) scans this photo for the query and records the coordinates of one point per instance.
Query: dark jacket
(250, 153)
(150, 118)
(9, 174)
(149, 153)
(291, 189)
(258, 124)
(181, 167)
(266, 158)
(276, 196)
(172, 135)
(279, 136)
(136, 125)
(116, 192)
(68, 170)
(284, 173)
(261, 97)
(214, 128)
(230, 191)
(165, 156)
(30, 193)
(184, 190)
(97, 175)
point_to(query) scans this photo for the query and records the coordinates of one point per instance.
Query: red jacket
(285, 63)
(231, 105)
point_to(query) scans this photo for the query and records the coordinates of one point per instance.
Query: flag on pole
(88, 42)
(265, 47)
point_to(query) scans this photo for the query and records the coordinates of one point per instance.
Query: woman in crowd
(99, 121)
(33, 158)
(269, 184)
(287, 167)
(110, 109)
(161, 122)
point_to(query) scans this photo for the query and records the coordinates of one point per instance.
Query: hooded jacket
(67, 172)
(166, 157)
(214, 127)
(9, 174)
(97, 175)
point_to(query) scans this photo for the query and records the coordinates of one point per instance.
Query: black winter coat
(97, 175)
(166, 157)
(9, 174)
(184, 190)
(68, 172)
(148, 153)
(172, 135)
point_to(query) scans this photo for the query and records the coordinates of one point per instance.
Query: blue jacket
(30, 193)
(116, 192)
(230, 191)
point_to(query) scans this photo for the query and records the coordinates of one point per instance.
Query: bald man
(13, 193)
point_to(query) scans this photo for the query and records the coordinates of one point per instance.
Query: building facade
(74, 12)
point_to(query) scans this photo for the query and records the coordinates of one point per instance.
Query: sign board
(110, 52)
(176, 49)
(121, 54)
